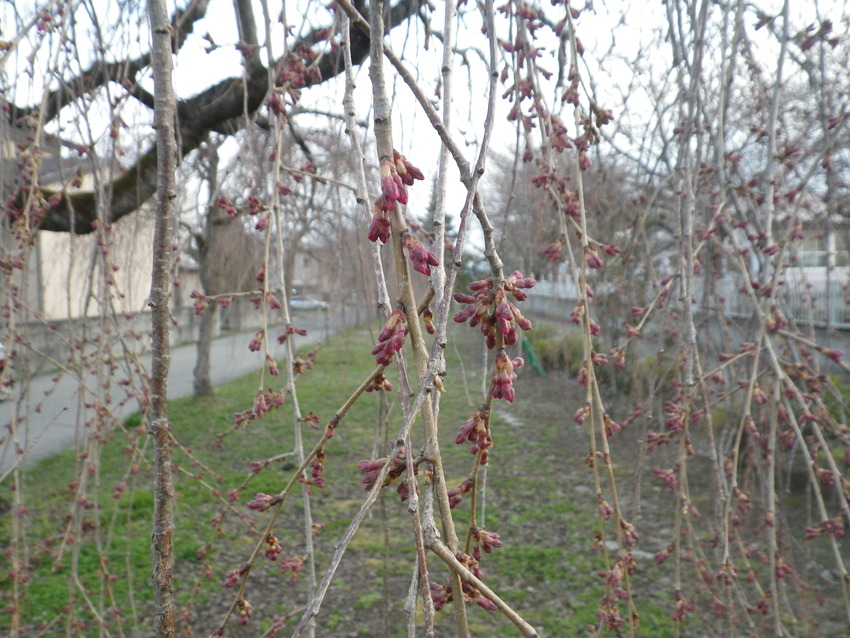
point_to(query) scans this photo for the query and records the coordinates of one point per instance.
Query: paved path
(55, 427)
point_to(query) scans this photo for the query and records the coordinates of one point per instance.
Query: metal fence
(807, 302)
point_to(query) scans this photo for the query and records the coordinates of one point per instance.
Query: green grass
(544, 569)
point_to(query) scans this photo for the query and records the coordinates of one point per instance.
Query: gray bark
(162, 540)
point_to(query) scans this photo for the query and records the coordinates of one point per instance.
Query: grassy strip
(545, 570)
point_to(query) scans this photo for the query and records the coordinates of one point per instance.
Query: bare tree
(691, 192)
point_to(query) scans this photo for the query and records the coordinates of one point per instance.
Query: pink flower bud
(592, 258)
(503, 378)
(392, 187)
(407, 171)
(257, 341)
(380, 227)
(261, 502)
(421, 257)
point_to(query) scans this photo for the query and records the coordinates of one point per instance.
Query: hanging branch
(166, 144)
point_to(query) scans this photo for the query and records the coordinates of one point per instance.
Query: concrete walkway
(56, 426)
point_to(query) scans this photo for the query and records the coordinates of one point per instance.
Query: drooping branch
(162, 536)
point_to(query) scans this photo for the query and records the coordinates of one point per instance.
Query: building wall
(75, 269)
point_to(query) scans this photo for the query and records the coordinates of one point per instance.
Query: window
(813, 252)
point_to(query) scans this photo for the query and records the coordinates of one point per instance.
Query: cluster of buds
(316, 468)
(274, 549)
(489, 307)
(227, 206)
(667, 477)
(392, 187)
(301, 366)
(312, 420)
(263, 402)
(291, 330)
(262, 502)
(631, 536)
(270, 299)
(553, 251)
(456, 494)
(831, 353)
(201, 302)
(232, 577)
(255, 206)
(380, 383)
(272, 365)
(676, 416)
(405, 170)
(262, 224)
(398, 466)
(832, 526)
(681, 608)
(293, 565)
(775, 320)
(245, 610)
(475, 431)
(442, 594)
(380, 225)
(504, 376)
(592, 258)
(391, 337)
(396, 175)
(484, 542)
(662, 556)
(421, 257)
(759, 396)
(256, 343)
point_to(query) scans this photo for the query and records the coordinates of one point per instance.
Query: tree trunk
(202, 383)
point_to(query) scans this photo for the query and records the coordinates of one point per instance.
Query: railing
(806, 301)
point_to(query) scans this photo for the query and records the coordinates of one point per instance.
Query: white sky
(617, 33)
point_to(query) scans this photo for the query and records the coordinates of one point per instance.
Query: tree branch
(210, 110)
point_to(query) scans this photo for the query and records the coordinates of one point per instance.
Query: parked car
(307, 303)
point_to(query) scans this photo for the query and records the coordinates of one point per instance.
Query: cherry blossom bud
(582, 413)
(392, 187)
(553, 251)
(293, 565)
(232, 577)
(391, 338)
(421, 257)
(486, 603)
(428, 319)
(456, 494)
(488, 541)
(407, 171)
(274, 549)
(380, 227)
(667, 477)
(592, 258)
(503, 378)
(257, 341)
(261, 502)
(832, 353)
